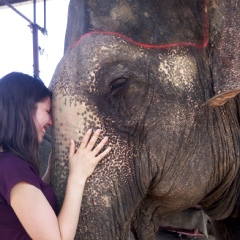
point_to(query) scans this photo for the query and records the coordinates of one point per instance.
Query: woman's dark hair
(19, 94)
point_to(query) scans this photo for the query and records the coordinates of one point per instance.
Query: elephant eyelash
(117, 84)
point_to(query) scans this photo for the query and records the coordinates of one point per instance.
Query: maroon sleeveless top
(12, 171)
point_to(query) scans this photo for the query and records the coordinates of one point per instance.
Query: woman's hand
(83, 161)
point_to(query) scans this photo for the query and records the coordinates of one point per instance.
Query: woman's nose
(50, 121)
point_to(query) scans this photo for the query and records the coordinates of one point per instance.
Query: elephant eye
(118, 84)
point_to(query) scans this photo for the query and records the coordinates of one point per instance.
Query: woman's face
(42, 117)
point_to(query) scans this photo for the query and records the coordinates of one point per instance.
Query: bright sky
(16, 38)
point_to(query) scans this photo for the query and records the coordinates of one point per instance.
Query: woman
(28, 207)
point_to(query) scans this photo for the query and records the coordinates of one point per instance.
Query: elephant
(161, 78)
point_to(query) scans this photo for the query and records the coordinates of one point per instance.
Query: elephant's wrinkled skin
(149, 89)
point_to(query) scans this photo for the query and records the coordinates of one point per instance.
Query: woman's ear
(225, 51)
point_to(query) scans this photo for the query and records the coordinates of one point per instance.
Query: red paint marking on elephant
(161, 46)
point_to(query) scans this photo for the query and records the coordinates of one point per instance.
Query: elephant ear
(225, 52)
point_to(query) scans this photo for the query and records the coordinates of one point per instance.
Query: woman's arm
(33, 209)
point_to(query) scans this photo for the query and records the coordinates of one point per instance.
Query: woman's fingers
(86, 139)
(93, 139)
(103, 154)
(89, 142)
(72, 148)
(83, 161)
(99, 147)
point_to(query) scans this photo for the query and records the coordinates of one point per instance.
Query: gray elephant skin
(161, 78)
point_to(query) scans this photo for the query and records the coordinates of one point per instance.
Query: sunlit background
(16, 46)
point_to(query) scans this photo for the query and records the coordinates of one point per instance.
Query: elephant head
(146, 73)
